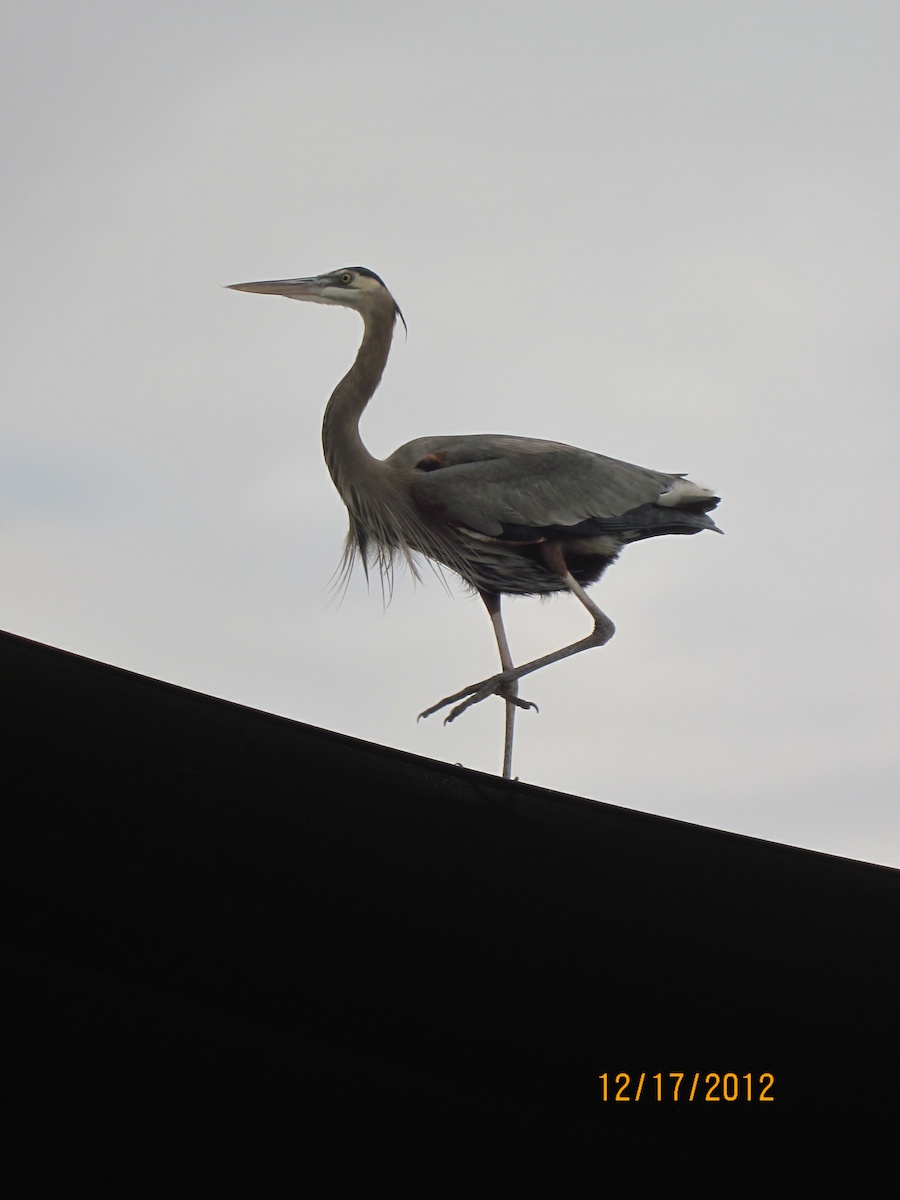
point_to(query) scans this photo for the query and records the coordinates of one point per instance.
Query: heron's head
(351, 287)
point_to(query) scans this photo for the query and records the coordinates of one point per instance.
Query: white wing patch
(683, 491)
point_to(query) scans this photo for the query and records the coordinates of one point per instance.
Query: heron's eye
(346, 277)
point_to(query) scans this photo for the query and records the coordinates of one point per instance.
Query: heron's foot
(499, 685)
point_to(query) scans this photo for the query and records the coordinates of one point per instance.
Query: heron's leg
(509, 691)
(602, 632)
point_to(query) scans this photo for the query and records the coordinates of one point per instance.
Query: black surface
(209, 907)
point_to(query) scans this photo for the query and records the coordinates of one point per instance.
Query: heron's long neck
(349, 462)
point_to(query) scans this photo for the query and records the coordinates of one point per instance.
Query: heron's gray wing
(487, 482)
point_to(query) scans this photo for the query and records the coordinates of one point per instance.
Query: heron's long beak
(294, 289)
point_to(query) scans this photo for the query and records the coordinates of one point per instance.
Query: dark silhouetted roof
(209, 905)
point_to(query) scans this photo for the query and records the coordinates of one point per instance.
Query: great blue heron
(509, 515)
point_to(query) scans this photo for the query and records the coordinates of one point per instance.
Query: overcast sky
(665, 230)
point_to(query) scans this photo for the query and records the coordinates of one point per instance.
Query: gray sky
(662, 230)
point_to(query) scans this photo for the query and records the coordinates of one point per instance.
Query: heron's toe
(505, 693)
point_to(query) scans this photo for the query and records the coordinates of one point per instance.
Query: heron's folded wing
(487, 483)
